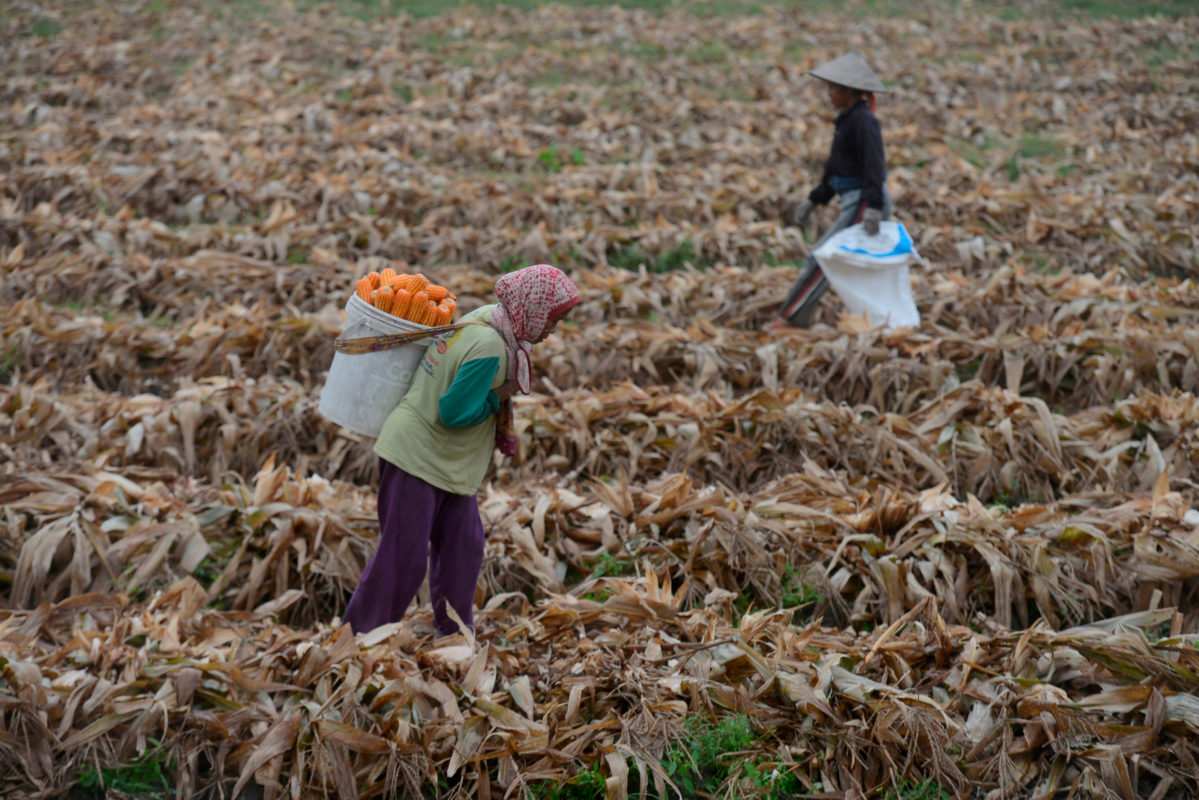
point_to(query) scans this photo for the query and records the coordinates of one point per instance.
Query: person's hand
(506, 389)
(799, 212)
(870, 220)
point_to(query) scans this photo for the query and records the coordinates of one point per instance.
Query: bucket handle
(373, 344)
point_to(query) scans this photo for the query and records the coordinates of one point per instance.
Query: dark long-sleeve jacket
(857, 152)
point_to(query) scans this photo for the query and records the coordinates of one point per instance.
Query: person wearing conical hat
(854, 171)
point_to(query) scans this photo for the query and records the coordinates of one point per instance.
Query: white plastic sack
(363, 388)
(870, 273)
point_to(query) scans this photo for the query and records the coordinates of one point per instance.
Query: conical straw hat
(850, 70)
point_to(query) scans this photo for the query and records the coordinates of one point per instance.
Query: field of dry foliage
(957, 561)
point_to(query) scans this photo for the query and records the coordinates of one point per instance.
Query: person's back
(442, 430)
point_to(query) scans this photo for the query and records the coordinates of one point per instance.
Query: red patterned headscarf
(528, 298)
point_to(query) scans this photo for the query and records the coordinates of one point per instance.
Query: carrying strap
(373, 344)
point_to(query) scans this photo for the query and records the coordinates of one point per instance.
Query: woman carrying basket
(854, 170)
(435, 446)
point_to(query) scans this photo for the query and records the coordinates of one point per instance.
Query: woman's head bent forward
(535, 299)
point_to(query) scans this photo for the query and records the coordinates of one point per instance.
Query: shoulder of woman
(480, 314)
(482, 336)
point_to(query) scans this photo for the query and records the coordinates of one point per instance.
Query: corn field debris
(963, 557)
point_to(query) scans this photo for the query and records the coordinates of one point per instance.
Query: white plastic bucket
(871, 273)
(362, 389)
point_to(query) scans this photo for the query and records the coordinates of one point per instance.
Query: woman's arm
(470, 398)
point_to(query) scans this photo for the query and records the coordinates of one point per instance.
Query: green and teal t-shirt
(443, 431)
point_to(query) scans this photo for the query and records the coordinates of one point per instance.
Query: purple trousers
(419, 525)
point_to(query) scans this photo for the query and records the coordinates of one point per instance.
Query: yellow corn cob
(363, 289)
(401, 303)
(416, 308)
(402, 281)
(419, 281)
(432, 314)
(375, 279)
(384, 299)
(436, 293)
(388, 276)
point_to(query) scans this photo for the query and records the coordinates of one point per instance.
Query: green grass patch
(708, 53)
(632, 258)
(798, 594)
(1012, 167)
(698, 763)
(975, 151)
(373, 9)
(9, 359)
(710, 760)
(551, 79)
(649, 52)
(46, 28)
(240, 13)
(771, 260)
(1167, 54)
(608, 564)
(585, 785)
(148, 779)
(1124, 9)
(967, 371)
(927, 789)
(712, 756)
(512, 263)
(1034, 147)
(98, 307)
(550, 159)
(370, 9)
(1040, 262)
(180, 66)
(209, 570)
(598, 596)
(553, 159)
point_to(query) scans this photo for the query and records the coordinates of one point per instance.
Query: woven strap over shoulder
(373, 344)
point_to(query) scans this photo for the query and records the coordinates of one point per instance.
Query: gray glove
(870, 220)
(799, 213)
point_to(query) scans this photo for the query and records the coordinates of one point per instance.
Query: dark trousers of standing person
(420, 526)
(799, 309)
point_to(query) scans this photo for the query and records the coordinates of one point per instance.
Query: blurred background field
(954, 561)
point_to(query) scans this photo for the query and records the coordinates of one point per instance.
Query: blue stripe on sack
(902, 247)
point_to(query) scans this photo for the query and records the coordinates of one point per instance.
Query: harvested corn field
(955, 561)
